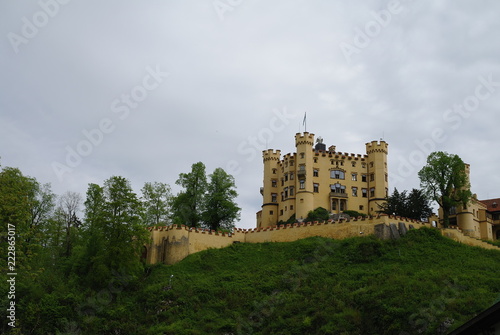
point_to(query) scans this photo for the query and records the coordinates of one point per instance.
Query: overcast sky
(144, 89)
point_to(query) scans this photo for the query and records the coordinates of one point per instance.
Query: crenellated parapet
(377, 146)
(271, 155)
(304, 138)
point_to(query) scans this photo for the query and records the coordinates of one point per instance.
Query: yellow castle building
(316, 176)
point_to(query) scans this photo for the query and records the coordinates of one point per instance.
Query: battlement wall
(171, 244)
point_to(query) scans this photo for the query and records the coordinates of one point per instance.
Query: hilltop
(421, 283)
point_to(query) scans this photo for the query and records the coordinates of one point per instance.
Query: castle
(315, 176)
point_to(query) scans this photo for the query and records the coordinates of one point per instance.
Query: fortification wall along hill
(172, 244)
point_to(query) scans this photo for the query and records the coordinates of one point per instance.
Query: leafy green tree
(188, 205)
(26, 206)
(114, 233)
(220, 209)
(413, 205)
(156, 200)
(445, 181)
(69, 205)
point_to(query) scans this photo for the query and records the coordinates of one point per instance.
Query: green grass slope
(421, 284)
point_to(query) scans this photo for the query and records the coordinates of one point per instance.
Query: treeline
(63, 255)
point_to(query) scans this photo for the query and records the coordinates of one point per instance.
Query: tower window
(315, 173)
(371, 164)
(274, 197)
(337, 188)
(363, 165)
(274, 183)
(292, 189)
(363, 177)
(315, 188)
(315, 160)
(354, 176)
(302, 155)
(372, 176)
(354, 191)
(275, 170)
(372, 192)
(302, 184)
(353, 163)
(286, 176)
(364, 192)
(291, 176)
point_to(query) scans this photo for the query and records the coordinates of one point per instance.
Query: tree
(69, 204)
(25, 207)
(445, 181)
(220, 209)
(114, 235)
(188, 204)
(414, 205)
(156, 200)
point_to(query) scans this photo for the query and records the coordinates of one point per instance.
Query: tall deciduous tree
(156, 200)
(445, 181)
(69, 205)
(220, 209)
(115, 235)
(25, 206)
(188, 205)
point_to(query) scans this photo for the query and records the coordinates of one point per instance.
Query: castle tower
(304, 171)
(269, 214)
(378, 185)
(465, 215)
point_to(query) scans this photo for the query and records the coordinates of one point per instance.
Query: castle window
(315, 173)
(354, 176)
(291, 207)
(282, 181)
(281, 212)
(315, 160)
(302, 155)
(386, 192)
(334, 205)
(363, 177)
(353, 163)
(341, 163)
(342, 206)
(361, 207)
(302, 184)
(282, 196)
(372, 176)
(274, 197)
(371, 164)
(315, 188)
(372, 192)
(291, 163)
(292, 189)
(364, 192)
(274, 183)
(386, 177)
(291, 175)
(286, 192)
(286, 176)
(354, 191)
(337, 174)
(271, 212)
(337, 188)
(363, 165)
(275, 170)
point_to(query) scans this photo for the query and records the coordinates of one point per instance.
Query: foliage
(206, 204)
(318, 214)
(445, 181)
(414, 205)
(188, 204)
(220, 209)
(157, 200)
(354, 214)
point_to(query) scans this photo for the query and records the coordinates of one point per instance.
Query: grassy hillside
(422, 283)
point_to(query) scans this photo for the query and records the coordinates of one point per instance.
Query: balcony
(334, 194)
(301, 174)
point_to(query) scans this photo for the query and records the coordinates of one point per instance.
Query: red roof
(493, 205)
